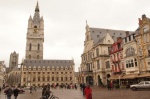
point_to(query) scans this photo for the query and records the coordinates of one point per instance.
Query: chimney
(119, 39)
(127, 33)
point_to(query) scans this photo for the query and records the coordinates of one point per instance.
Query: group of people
(32, 88)
(46, 91)
(87, 91)
(9, 92)
(110, 85)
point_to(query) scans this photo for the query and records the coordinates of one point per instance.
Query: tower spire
(37, 7)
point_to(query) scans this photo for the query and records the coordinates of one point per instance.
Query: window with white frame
(148, 49)
(98, 65)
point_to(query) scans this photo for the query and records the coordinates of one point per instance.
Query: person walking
(0, 88)
(83, 88)
(88, 92)
(9, 92)
(47, 93)
(16, 92)
(31, 89)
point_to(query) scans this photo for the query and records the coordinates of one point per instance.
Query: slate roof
(97, 34)
(46, 63)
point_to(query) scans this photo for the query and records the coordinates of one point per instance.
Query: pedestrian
(16, 92)
(31, 90)
(88, 92)
(9, 92)
(0, 88)
(75, 86)
(108, 85)
(83, 88)
(111, 85)
(47, 93)
(43, 90)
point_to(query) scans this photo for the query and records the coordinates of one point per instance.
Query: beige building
(37, 71)
(2, 73)
(96, 55)
(130, 55)
(14, 77)
(42, 72)
(143, 44)
(13, 61)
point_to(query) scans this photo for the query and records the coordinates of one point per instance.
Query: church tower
(35, 36)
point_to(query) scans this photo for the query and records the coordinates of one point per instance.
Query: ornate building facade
(96, 51)
(143, 44)
(116, 57)
(37, 71)
(2, 73)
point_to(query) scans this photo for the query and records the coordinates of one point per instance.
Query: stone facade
(143, 44)
(43, 72)
(93, 59)
(130, 54)
(35, 36)
(37, 71)
(2, 73)
(13, 61)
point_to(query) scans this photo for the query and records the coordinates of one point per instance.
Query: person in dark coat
(9, 92)
(83, 88)
(16, 92)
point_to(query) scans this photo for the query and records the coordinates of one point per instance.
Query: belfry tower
(35, 36)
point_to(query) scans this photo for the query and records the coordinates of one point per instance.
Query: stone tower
(13, 62)
(35, 36)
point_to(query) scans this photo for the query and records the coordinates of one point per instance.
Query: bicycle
(52, 96)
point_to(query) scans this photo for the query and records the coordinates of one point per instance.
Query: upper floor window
(97, 51)
(38, 47)
(148, 49)
(37, 56)
(98, 64)
(130, 52)
(30, 47)
(29, 56)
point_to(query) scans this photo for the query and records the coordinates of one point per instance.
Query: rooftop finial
(37, 7)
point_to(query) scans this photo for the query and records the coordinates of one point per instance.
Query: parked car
(141, 85)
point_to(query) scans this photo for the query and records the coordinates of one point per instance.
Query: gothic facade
(37, 71)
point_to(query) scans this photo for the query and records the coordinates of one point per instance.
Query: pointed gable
(107, 39)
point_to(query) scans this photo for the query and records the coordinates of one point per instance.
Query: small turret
(30, 22)
(37, 8)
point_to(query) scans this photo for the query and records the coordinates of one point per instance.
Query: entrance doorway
(89, 80)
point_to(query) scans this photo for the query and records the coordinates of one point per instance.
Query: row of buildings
(118, 55)
(121, 56)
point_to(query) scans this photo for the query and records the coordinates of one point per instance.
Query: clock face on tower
(35, 29)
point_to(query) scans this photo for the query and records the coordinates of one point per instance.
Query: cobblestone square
(98, 93)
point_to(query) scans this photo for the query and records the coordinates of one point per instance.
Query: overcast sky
(65, 22)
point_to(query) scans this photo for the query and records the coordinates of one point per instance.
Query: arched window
(37, 56)
(148, 49)
(38, 47)
(30, 47)
(29, 56)
(130, 52)
(35, 26)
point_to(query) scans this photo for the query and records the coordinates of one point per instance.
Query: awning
(144, 75)
(113, 77)
(129, 76)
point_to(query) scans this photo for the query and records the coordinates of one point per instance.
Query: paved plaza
(98, 93)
